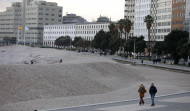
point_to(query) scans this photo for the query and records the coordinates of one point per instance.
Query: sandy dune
(80, 79)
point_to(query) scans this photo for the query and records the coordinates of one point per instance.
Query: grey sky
(89, 9)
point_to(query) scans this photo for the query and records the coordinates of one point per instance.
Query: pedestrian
(141, 91)
(31, 62)
(164, 61)
(61, 61)
(152, 92)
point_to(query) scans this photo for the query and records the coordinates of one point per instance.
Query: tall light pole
(188, 61)
(70, 43)
(134, 49)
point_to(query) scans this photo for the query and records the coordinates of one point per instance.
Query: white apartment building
(32, 14)
(53, 32)
(162, 26)
(85, 30)
(88, 30)
(130, 13)
(142, 9)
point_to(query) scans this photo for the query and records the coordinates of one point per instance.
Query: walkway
(175, 102)
(150, 63)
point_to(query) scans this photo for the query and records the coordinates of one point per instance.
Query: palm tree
(127, 27)
(121, 26)
(112, 29)
(149, 20)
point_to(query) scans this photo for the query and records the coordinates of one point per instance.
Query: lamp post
(188, 61)
(134, 49)
(70, 43)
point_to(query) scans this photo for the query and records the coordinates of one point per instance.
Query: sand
(80, 79)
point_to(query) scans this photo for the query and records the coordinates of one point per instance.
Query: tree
(121, 26)
(11, 40)
(140, 44)
(149, 20)
(176, 43)
(101, 40)
(129, 44)
(114, 45)
(127, 27)
(63, 41)
(76, 41)
(159, 48)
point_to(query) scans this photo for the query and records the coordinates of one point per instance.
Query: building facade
(73, 19)
(129, 13)
(89, 30)
(53, 32)
(85, 30)
(162, 25)
(142, 9)
(187, 16)
(10, 20)
(32, 15)
(178, 14)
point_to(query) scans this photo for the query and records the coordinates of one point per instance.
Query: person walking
(60, 61)
(152, 92)
(141, 91)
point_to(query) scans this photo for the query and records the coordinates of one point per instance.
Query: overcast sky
(89, 9)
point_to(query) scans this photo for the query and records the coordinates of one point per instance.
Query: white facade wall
(53, 32)
(142, 9)
(130, 13)
(163, 19)
(87, 31)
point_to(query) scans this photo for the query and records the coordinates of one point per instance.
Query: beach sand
(81, 79)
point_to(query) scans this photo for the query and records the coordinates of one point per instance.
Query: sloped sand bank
(80, 79)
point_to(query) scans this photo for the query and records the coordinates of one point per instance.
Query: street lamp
(134, 49)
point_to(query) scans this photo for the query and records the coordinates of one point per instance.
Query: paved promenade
(150, 63)
(175, 102)
(145, 62)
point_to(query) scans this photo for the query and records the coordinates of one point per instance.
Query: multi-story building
(103, 19)
(85, 30)
(187, 16)
(52, 32)
(73, 18)
(153, 13)
(10, 20)
(32, 15)
(161, 11)
(142, 9)
(178, 14)
(130, 13)
(38, 14)
(89, 30)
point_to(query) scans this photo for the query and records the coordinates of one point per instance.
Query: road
(174, 102)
